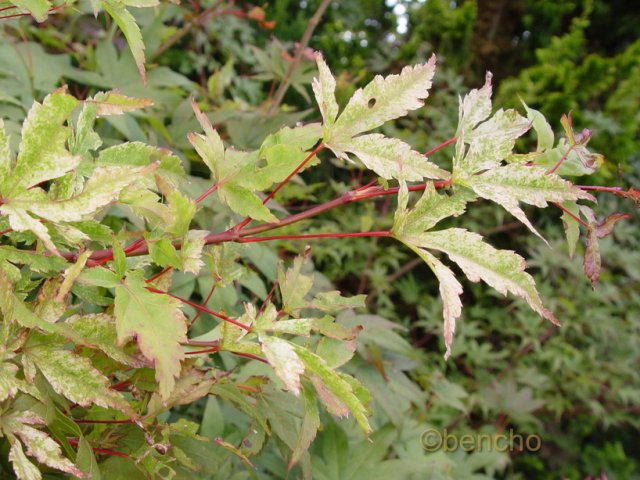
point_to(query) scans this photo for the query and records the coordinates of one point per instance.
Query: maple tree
(92, 333)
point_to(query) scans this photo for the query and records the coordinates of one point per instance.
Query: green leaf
(294, 286)
(129, 27)
(310, 425)
(430, 209)
(388, 157)
(579, 160)
(231, 170)
(42, 154)
(514, 183)
(542, 128)
(324, 89)
(571, 226)
(303, 137)
(382, 100)
(37, 262)
(157, 324)
(501, 269)
(73, 376)
(245, 202)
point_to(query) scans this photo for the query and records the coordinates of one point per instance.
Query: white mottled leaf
(73, 376)
(513, 183)
(102, 188)
(336, 384)
(115, 103)
(504, 270)
(21, 221)
(388, 157)
(191, 251)
(475, 108)
(99, 330)
(324, 89)
(46, 450)
(22, 466)
(5, 154)
(450, 291)
(430, 209)
(42, 155)
(490, 143)
(158, 325)
(284, 360)
(384, 99)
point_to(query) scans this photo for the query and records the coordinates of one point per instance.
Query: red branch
(234, 236)
(385, 233)
(201, 308)
(442, 145)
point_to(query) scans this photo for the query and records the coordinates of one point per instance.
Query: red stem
(561, 161)
(209, 191)
(233, 236)
(201, 308)
(26, 14)
(158, 275)
(104, 451)
(206, 300)
(104, 421)
(384, 233)
(442, 145)
(572, 215)
(217, 349)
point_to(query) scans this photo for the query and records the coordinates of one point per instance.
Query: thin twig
(176, 37)
(286, 81)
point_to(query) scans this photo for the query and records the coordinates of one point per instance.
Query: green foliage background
(577, 387)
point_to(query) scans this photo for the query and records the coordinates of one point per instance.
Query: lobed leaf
(324, 89)
(73, 376)
(450, 291)
(388, 157)
(157, 324)
(123, 18)
(383, 99)
(501, 269)
(511, 184)
(42, 153)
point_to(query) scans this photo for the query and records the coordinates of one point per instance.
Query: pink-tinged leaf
(44, 449)
(592, 260)
(605, 227)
